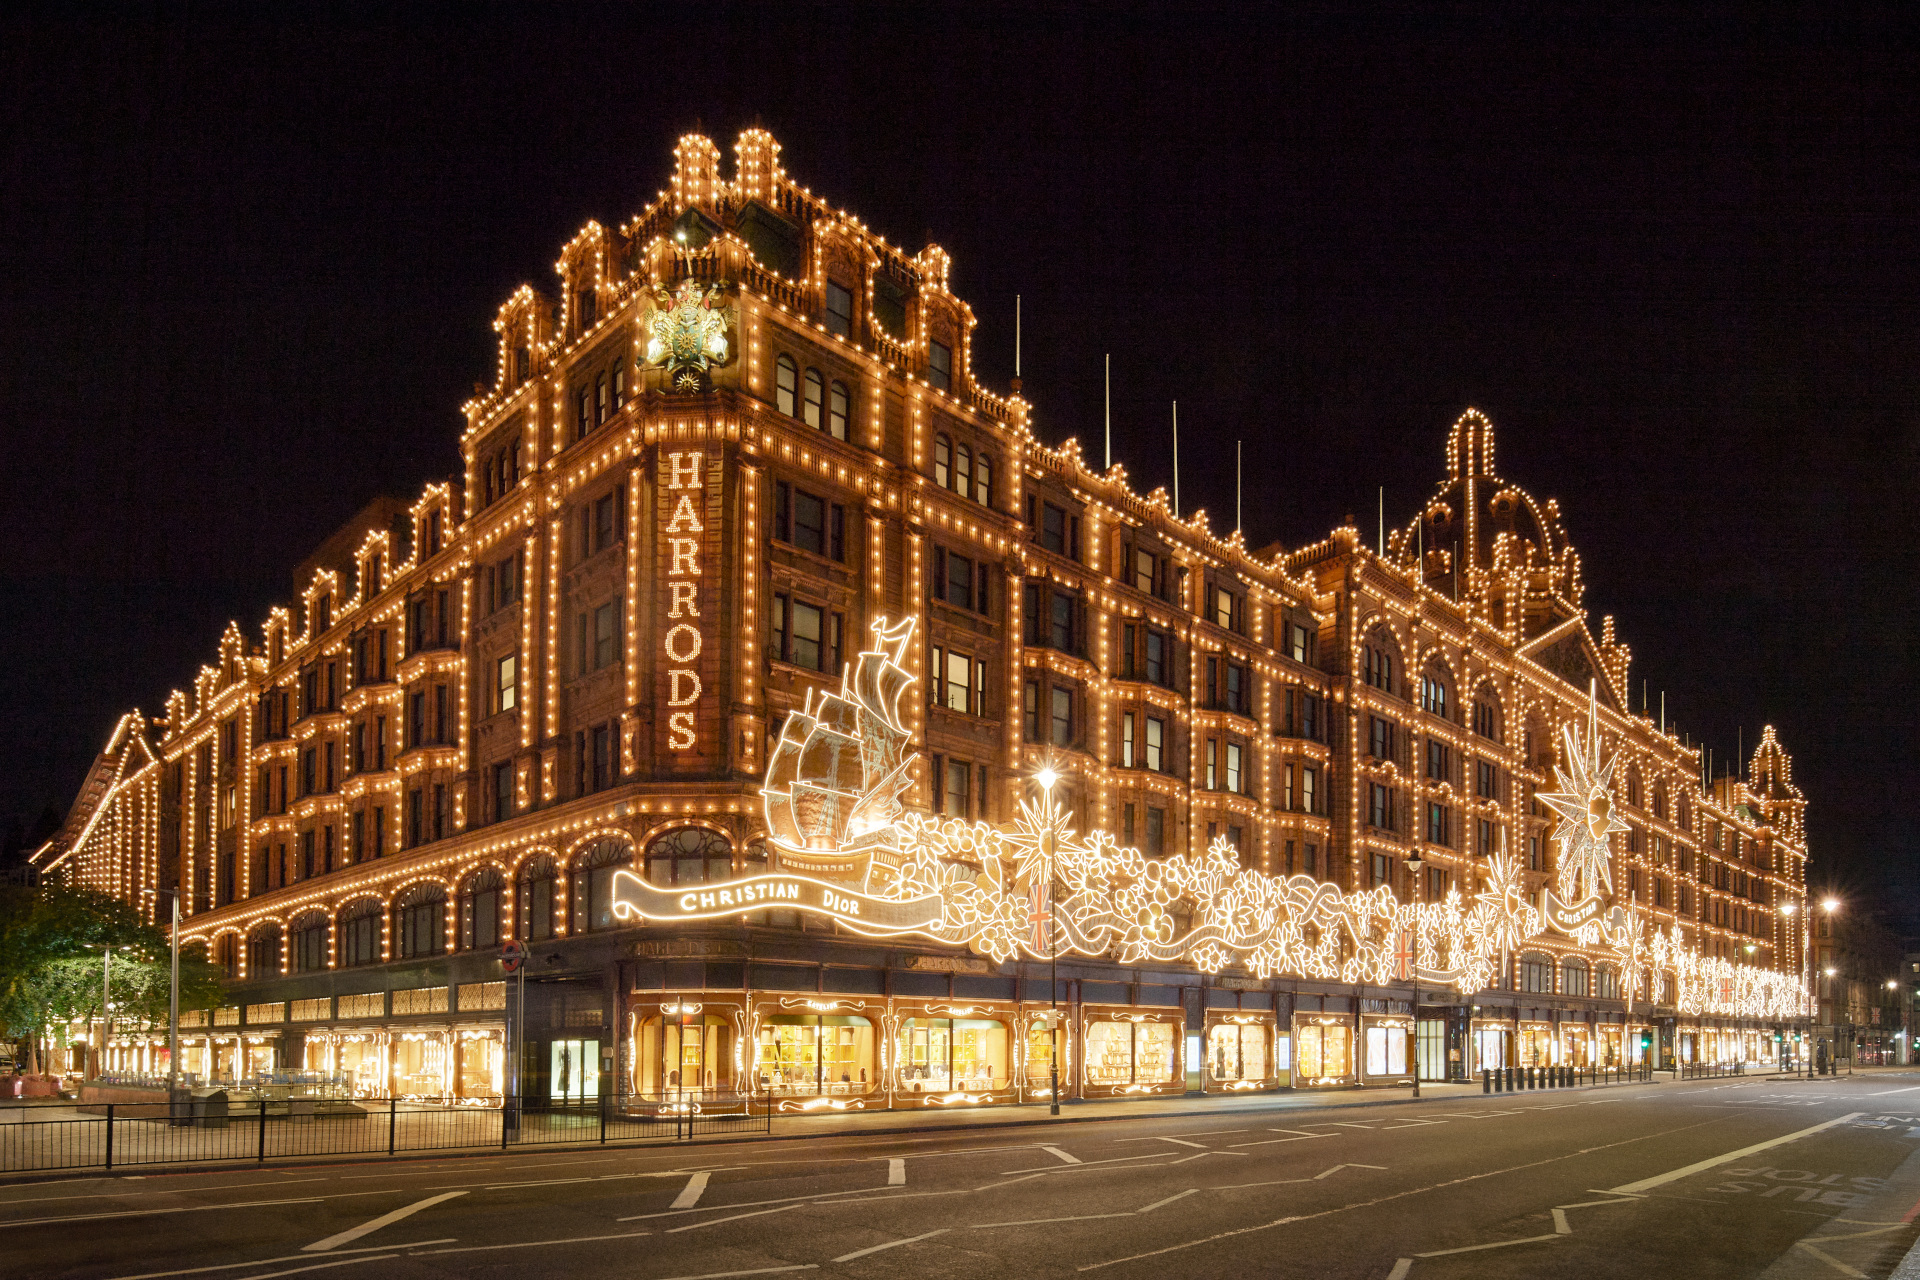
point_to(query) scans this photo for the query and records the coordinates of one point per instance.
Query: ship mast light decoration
(848, 849)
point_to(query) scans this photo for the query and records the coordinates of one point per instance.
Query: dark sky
(248, 270)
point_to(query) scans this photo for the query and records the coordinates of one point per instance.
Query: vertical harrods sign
(689, 564)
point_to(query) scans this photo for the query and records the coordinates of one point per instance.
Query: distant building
(742, 431)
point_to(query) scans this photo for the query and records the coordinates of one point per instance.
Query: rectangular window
(958, 782)
(1487, 780)
(1436, 884)
(1213, 749)
(1062, 708)
(809, 523)
(1379, 738)
(1126, 826)
(1142, 570)
(1159, 664)
(808, 635)
(940, 366)
(1030, 709)
(1439, 765)
(1438, 824)
(1310, 862)
(606, 632)
(1309, 782)
(1236, 690)
(839, 310)
(1222, 610)
(1233, 769)
(1381, 868)
(1299, 643)
(502, 790)
(1126, 744)
(1380, 806)
(1156, 832)
(1156, 742)
(1053, 528)
(506, 683)
(960, 682)
(1061, 622)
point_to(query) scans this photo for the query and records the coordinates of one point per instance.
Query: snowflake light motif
(1587, 820)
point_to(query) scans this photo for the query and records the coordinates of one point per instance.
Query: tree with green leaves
(52, 938)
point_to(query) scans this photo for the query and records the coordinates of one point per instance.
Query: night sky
(248, 273)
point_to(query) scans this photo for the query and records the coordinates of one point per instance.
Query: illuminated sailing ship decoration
(847, 848)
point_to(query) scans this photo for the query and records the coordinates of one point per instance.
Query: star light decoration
(1587, 820)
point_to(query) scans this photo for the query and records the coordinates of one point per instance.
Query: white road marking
(1182, 1141)
(1400, 1268)
(1832, 1261)
(1175, 1137)
(169, 1191)
(896, 1176)
(517, 1244)
(1884, 1092)
(757, 1271)
(147, 1213)
(690, 1194)
(1560, 1224)
(1648, 1184)
(386, 1219)
(1157, 1203)
(1029, 1222)
(1385, 1199)
(1337, 1168)
(1198, 1154)
(1090, 1164)
(1010, 1181)
(1065, 1157)
(891, 1244)
(331, 1262)
(267, 1262)
(1298, 1135)
(714, 1222)
(1497, 1244)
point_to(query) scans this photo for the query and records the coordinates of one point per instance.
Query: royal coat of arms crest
(688, 334)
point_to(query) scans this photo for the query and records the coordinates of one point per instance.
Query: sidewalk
(61, 1141)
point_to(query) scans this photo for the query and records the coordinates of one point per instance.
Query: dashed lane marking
(267, 1262)
(714, 1222)
(1497, 1244)
(690, 1194)
(896, 1175)
(1298, 1136)
(1031, 1222)
(1065, 1157)
(1178, 1195)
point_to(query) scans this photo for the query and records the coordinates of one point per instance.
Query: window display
(1042, 1040)
(420, 1064)
(1237, 1051)
(1325, 1052)
(813, 1054)
(1125, 1052)
(362, 1062)
(477, 1074)
(1387, 1049)
(1489, 1048)
(677, 1055)
(1536, 1045)
(573, 1068)
(941, 1055)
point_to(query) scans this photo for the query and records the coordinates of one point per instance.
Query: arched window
(1573, 977)
(420, 921)
(360, 933)
(983, 479)
(1435, 695)
(963, 470)
(263, 952)
(590, 893)
(1659, 799)
(309, 943)
(1377, 659)
(942, 461)
(786, 386)
(226, 954)
(480, 910)
(533, 916)
(1606, 982)
(690, 855)
(813, 407)
(837, 411)
(1633, 785)
(753, 862)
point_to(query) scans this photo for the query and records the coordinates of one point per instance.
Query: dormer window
(940, 366)
(589, 300)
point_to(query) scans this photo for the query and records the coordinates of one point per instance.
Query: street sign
(513, 954)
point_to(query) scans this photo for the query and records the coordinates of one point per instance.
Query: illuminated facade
(737, 453)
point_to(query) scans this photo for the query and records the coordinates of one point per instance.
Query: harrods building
(739, 430)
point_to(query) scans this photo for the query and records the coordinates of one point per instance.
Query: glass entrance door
(573, 1069)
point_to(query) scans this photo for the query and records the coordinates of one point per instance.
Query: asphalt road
(1721, 1178)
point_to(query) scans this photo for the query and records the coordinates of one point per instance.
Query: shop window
(815, 1055)
(942, 1055)
(1386, 1049)
(689, 855)
(1124, 1052)
(1323, 1052)
(1237, 1051)
(590, 886)
(675, 1056)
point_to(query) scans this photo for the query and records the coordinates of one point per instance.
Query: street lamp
(1414, 864)
(173, 998)
(1047, 778)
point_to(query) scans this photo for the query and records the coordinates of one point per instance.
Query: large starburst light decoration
(1587, 820)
